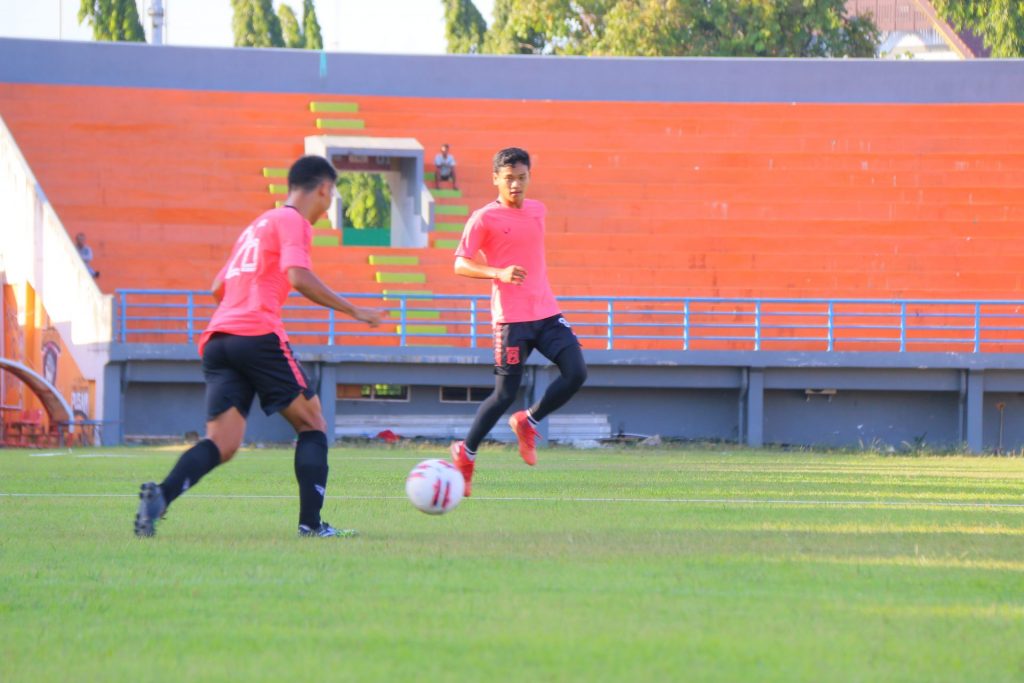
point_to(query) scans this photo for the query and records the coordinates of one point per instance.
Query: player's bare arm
(306, 283)
(466, 267)
(217, 289)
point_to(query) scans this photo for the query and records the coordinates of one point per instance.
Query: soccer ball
(435, 486)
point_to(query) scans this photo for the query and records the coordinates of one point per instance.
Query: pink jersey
(510, 237)
(256, 276)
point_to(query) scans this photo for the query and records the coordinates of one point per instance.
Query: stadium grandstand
(762, 251)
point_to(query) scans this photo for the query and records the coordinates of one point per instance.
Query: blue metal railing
(683, 323)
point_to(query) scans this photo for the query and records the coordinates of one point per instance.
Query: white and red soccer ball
(435, 486)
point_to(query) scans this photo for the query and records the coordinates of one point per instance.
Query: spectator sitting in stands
(85, 251)
(444, 164)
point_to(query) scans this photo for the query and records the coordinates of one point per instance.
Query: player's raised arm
(306, 283)
(466, 267)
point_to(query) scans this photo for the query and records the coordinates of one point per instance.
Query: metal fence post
(977, 327)
(124, 316)
(686, 324)
(757, 325)
(472, 323)
(831, 326)
(191, 308)
(611, 323)
(330, 326)
(903, 326)
(403, 323)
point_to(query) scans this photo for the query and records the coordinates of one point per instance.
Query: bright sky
(389, 26)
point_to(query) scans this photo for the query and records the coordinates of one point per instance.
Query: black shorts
(237, 368)
(513, 342)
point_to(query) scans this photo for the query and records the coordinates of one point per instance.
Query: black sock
(491, 410)
(190, 468)
(311, 473)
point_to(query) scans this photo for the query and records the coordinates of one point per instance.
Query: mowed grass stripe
(520, 578)
(539, 499)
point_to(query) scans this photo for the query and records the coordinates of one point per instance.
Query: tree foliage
(999, 23)
(311, 27)
(464, 26)
(664, 28)
(112, 20)
(255, 24)
(366, 198)
(290, 29)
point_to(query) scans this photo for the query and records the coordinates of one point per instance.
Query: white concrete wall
(35, 248)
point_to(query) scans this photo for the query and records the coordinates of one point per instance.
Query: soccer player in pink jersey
(504, 242)
(245, 351)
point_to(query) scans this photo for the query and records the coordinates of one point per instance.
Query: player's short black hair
(510, 156)
(309, 171)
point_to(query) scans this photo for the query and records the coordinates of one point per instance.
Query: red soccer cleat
(463, 463)
(527, 436)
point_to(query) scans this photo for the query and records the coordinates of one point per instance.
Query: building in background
(912, 29)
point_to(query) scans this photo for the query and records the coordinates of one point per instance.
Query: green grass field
(627, 565)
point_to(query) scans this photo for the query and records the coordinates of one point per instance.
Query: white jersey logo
(246, 260)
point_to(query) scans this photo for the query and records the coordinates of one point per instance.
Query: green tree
(464, 26)
(112, 20)
(366, 198)
(290, 29)
(999, 23)
(663, 28)
(311, 27)
(255, 24)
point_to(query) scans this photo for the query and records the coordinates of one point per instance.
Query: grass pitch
(624, 565)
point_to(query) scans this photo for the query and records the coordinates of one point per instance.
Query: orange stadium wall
(645, 199)
(698, 178)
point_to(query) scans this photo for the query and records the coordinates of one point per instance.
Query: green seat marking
(422, 329)
(279, 203)
(446, 244)
(275, 172)
(428, 175)
(399, 278)
(446, 194)
(333, 106)
(391, 294)
(366, 237)
(449, 227)
(327, 240)
(394, 260)
(412, 314)
(277, 188)
(340, 123)
(451, 210)
(323, 223)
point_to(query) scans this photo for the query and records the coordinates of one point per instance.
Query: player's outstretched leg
(151, 508)
(524, 423)
(192, 466)
(311, 474)
(525, 429)
(465, 464)
(490, 411)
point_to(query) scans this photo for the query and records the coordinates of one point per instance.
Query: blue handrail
(683, 323)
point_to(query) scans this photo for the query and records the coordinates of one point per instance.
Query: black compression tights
(573, 374)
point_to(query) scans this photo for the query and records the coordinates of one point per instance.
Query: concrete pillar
(112, 432)
(328, 396)
(755, 408)
(975, 410)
